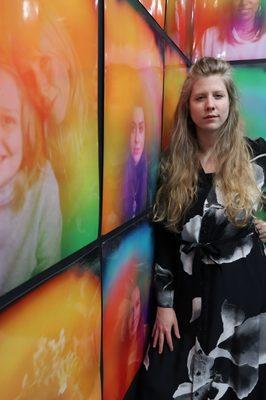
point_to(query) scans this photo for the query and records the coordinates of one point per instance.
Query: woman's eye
(218, 96)
(7, 121)
(133, 129)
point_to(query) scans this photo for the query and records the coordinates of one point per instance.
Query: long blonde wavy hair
(180, 165)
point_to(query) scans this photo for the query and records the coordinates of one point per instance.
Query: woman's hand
(261, 229)
(165, 321)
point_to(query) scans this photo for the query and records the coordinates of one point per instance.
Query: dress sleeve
(259, 154)
(165, 269)
(258, 146)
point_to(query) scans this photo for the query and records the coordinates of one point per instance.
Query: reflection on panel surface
(48, 158)
(179, 24)
(156, 8)
(233, 30)
(132, 115)
(174, 76)
(50, 339)
(251, 83)
(126, 287)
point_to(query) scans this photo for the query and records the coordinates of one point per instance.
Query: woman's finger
(261, 229)
(161, 342)
(155, 339)
(176, 330)
(169, 340)
(153, 330)
(262, 236)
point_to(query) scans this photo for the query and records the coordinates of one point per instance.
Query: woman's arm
(165, 323)
(165, 271)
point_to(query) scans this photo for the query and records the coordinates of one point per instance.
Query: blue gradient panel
(126, 290)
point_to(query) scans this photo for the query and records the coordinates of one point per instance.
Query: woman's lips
(211, 117)
(243, 11)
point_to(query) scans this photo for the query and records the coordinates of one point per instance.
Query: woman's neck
(206, 141)
(245, 29)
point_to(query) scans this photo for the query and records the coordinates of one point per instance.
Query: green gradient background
(251, 82)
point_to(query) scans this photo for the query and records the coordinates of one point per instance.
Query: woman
(30, 215)
(210, 271)
(47, 62)
(125, 330)
(136, 171)
(241, 34)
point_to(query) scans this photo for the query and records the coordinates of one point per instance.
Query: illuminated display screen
(132, 116)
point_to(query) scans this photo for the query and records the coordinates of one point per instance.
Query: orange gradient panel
(175, 74)
(133, 100)
(50, 340)
(127, 278)
(231, 30)
(156, 8)
(120, 370)
(49, 174)
(179, 24)
(207, 13)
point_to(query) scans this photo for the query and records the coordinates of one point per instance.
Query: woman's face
(11, 139)
(53, 82)
(209, 104)
(245, 9)
(137, 134)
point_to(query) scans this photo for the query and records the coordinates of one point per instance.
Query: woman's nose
(137, 136)
(209, 105)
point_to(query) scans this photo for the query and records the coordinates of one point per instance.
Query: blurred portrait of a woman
(240, 35)
(136, 169)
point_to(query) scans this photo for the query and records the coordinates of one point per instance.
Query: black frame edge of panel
(162, 111)
(101, 65)
(124, 227)
(100, 106)
(151, 21)
(247, 62)
(26, 287)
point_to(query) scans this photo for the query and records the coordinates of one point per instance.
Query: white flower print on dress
(220, 231)
(228, 365)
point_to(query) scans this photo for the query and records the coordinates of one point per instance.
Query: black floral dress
(214, 275)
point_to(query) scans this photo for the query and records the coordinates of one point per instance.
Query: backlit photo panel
(126, 292)
(179, 25)
(48, 155)
(232, 30)
(132, 115)
(174, 76)
(50, 339)
(251, 84)
(156, 8)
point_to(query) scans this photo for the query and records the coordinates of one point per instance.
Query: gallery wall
(88, 92)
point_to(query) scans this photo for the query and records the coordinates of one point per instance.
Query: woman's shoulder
(258, 146)
(46, 185)
(211, 34)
